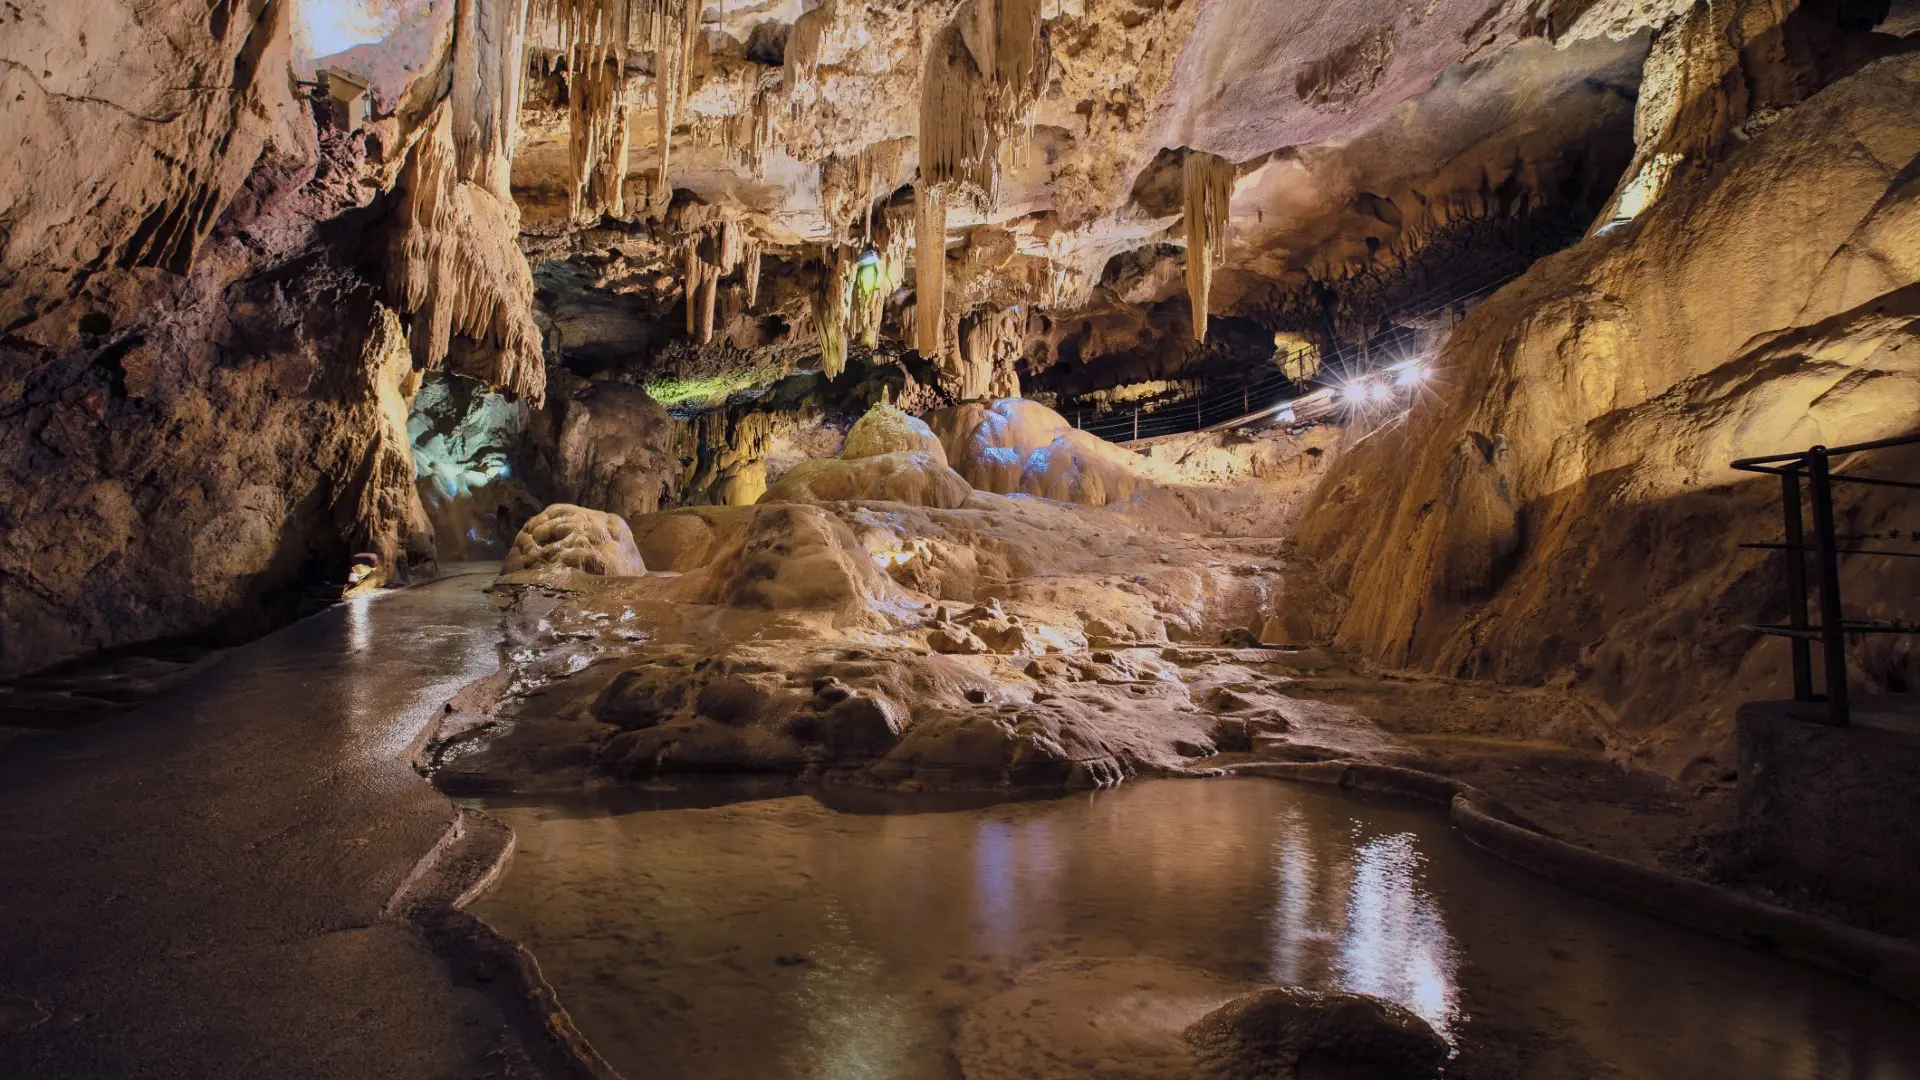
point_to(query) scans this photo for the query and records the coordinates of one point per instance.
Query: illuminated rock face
(1016, 446)
(1567, 511)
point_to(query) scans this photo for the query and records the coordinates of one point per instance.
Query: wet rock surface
(1292, 1033)
(565, 538)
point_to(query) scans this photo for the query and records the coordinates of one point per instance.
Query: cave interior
(1131, 538)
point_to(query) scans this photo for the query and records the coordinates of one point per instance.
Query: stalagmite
(1208, 183)
(929, 265)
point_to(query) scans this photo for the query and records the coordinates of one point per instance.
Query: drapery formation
(1208, 186)
(456, 267)
(707, 255)
(599, 116)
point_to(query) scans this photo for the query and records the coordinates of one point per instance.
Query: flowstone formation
(880, 638)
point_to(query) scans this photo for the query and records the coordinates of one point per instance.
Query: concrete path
(195, 889)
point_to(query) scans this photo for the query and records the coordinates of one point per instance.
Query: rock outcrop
(888, 456)
(1566, 511)
(565, 538)
(1016, 446)
(1294, 1032)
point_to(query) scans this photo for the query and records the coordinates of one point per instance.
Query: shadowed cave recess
(883, 404)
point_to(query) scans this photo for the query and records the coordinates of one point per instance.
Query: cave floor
(195, 888)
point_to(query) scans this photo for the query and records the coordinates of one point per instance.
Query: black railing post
(1797, 587)
(1832, 633)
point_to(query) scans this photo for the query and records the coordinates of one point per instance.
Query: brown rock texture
(1566, 512)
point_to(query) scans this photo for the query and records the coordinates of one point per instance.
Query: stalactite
(666, 108)
(930, 265)
(489, 46)
(765, 132)
(599, 114)
(1208, 184)
(956, 142)
(805, 40)
(1010, 31)
(834, 310)
(732, 246)
(843, 184)
(455, 265)
(752, 273)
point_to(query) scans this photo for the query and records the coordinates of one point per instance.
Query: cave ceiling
(1378, 150)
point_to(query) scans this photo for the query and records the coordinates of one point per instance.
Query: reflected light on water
(1358, 916)
(1293, 922)
(1396, 944)
(359, 627)
(854, 1030)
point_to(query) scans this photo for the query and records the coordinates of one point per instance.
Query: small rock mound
(916, 478)
(886, 429)
(568, 537)
(1290, 1032)
(795, 557)
(1015, 446)
(889, 456)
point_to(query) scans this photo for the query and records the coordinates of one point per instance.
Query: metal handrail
(1815, 465)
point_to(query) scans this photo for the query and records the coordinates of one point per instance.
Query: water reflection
(779, 938)
(1395, 943)
(1368, 924)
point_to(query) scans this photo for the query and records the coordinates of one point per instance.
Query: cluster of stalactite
(1207, 181)
(748, 135)
(707, 255)
(968, 106)
(598, 116)
(453, 262)
(597, 36)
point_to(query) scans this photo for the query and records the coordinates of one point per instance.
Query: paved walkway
(195, 889)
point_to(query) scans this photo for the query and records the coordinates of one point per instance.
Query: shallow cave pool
(791, 937)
